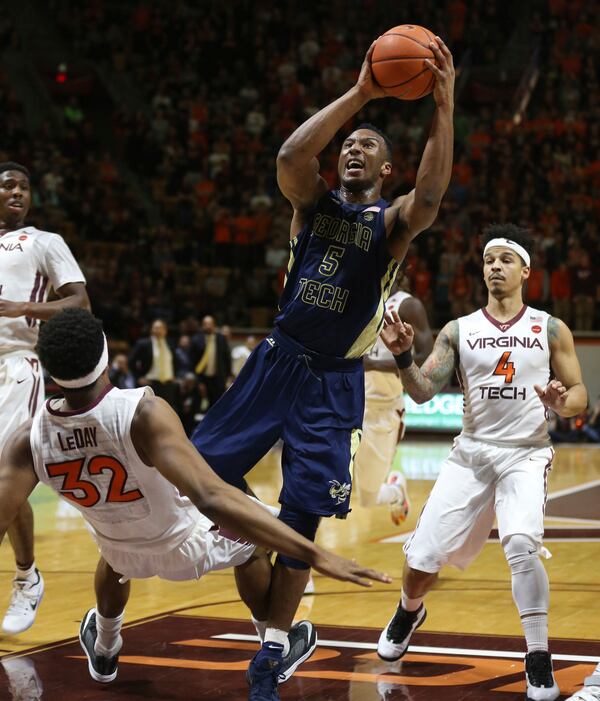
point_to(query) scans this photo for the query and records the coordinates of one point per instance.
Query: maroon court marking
(154, 649)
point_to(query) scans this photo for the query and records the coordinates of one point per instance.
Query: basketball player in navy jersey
(305, 382)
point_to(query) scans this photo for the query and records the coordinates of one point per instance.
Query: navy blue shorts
(314, 403)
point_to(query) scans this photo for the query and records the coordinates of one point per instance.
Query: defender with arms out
(504, 356)
(154, 507)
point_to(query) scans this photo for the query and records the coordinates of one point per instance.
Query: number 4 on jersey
(505, 367)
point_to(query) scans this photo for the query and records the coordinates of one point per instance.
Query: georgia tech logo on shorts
(339, 492)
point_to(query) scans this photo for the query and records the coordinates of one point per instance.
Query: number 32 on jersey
(84, 492)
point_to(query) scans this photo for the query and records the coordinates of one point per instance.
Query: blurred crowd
(220, 86)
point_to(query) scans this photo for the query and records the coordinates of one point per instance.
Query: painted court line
(462, 652)
(573, 490)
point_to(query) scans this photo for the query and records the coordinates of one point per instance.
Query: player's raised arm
(565, 394)
(412, 213)
(17, 476)
(160, 440)
(425, 382)
(297, 164)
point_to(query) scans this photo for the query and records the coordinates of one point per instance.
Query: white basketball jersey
(498, 365)
(31, 262)
(88, 457)
(380, 386)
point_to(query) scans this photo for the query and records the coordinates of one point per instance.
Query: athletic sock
(109, 641)
(261, 628)
(536, 632)
(411, 604)
(276, 635)
(27, 574)
(387, 494)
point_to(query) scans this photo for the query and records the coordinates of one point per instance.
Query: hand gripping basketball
(443, 69)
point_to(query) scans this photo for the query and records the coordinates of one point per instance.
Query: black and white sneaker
(395, 637)
(540, 680)
(102, 669)
(303, 642)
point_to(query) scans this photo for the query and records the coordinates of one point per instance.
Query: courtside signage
(442, 413)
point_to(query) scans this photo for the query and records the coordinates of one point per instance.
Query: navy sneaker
(102, 669)
(303, 642)
(263, 671)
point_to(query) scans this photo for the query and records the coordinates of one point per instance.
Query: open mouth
(354, 166)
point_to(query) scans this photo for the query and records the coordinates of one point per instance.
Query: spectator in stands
(241, 353)
(584, 293)
(560, 286)
(211, 356)
(119, 373)
(153, 362)
(183, 355)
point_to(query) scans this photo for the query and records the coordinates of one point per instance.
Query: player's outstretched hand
(397, 336)
(337, 567)
(366, 82)
(443, 69)
(554, 396)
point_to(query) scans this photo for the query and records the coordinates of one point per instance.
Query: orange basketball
(398, 61)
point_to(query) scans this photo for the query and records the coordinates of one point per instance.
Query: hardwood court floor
(467, 649)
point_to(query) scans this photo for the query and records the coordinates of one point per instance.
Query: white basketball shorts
(203, 551)
(477, 482)
(21, 391)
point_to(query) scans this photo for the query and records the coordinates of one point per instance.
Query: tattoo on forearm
(425, 382)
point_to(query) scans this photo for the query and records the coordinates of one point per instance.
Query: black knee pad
(302, 522)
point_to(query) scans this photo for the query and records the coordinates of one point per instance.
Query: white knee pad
(530, 587)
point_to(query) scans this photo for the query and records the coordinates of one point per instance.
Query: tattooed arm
(425, 382)
(565, 394)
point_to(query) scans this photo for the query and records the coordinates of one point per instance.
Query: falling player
(122, 458)
(31, 262)
(305, 382)
(383, 423)
(504, 356)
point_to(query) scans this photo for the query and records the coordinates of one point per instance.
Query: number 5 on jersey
(331, 260)
(505, 367)
(88, 492)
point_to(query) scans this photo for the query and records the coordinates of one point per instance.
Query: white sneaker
(23, 679)
(588, 693)
(24, 605)
(400, 507)
(395, 637)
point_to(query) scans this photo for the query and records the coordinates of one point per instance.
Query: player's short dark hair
(11, 165)
(509, 231)
(70, 344)
(388, 144)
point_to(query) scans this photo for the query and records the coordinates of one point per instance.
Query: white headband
(507, 243)
(91, 376)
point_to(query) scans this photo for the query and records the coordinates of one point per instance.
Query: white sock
(411, 604)
(596, 672)
(261, 628)
(27, 575)
(276, 635)
(109, 641)
(536, 631)
(387, 494)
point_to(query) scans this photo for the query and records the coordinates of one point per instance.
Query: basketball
(398, 61)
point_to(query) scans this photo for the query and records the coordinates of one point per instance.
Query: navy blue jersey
(339, 276)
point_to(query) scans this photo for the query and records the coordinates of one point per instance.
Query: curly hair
(70, 343)
(11, 165)
(509, 231)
